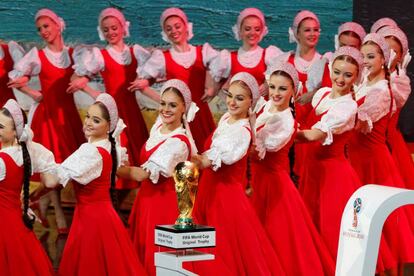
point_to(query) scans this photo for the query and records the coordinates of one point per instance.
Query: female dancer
(98, 243)
(242, 244)
(400, 89)
(117, 64)
(349, 34)
(368, 151)
(250, 28)
(21, 253)
(275, 198)
(170, 142)
(185, 62)
(56, 123)
(330, 122)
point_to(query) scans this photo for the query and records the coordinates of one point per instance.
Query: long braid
(114, 195)
(27, 165)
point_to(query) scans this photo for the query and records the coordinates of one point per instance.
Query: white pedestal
(361, 227)
(171, 263)
(182, 242)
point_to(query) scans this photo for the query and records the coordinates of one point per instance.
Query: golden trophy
(186, 182)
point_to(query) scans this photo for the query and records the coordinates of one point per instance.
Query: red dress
(194, 77)
(301, 113)
(258, 72)
(400, 152)
(117, 78)
(21, 253)
(327, 182)
(155, 204)
(98, 243)
(6, 65)
(285, 217)
(242, 246)
(56, 123)
(374, 164)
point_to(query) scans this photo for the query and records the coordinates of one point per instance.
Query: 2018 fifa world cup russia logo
(357, 209)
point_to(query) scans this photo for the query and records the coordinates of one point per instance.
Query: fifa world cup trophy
(186, 182)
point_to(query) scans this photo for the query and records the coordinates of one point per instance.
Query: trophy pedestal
(182, 242)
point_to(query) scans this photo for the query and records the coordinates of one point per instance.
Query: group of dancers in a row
(344, 132)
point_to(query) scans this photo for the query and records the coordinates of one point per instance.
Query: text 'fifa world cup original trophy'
(186, 183)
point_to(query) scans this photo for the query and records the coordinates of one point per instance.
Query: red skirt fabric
(288, 223)
(155, 204)
(400, 152)
(242, 246)
(21, 253)
(98, 244)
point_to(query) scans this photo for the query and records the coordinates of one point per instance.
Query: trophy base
(198, 236)
(184, 224)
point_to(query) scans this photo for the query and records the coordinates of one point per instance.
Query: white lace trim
(303, 65)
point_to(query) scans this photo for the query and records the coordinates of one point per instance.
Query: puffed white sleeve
(315, 74)
(339, 119)
(208, 53)
(165, 158)
(400, 87)
(276, 133)
(42, 159)
(89, 62)
(228, 148)
(318, 95)
(83, 166)
(220, 66)
(376, 105)
(154, 68)
(16, 51)
(28, 65)
(2, 170)
(141, 54)
(271, 54)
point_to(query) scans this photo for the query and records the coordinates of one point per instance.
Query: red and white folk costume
(10, 53)
(371, 159)
(156, 201)
(21, 253)
(98, 243)
(276, 199)
(243, 247)
(191, 67)
(56, 122)
(400, 89)
(118, 70)
(253, 61)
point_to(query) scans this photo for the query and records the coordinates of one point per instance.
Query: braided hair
(27, 166)
(112, 191)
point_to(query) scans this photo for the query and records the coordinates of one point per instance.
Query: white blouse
(316, 71)
(85, 164)
(171, 152)
(15, 50)
(230, 142)
(400, 87)
(30, 64)
(377, 102)
(42, 159)
(276, 129)
(91, 60)
(155, 65)
(303, 65)
(340, 114)
(221, 67)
